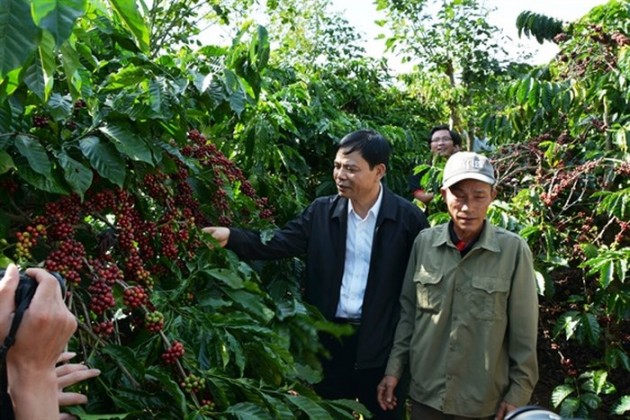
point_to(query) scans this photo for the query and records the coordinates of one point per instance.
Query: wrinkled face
(442, 144)
(354, 178)
(468, 203)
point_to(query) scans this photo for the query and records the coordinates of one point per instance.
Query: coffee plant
(120, 137)
(110, 163)
(566, 189)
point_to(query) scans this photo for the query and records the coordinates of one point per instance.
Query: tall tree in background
(454, 50)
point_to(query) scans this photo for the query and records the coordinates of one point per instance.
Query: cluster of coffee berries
(560, 38)
(568, 366)
(67, 260)
(106, 270)
(25, 241)
(207, 404)
(79, 104)
(620, 39)
(624, 228)
(173, 353)
(40, 121)
(10, 186)
(154, 185)
(134, 296)
(103, 329)
(62, 217)
(101, 297)
(193, 383)
(223, 168)
(564, 180)
(154, 321)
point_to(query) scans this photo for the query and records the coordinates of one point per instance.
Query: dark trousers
(343, 381)
(424, 412)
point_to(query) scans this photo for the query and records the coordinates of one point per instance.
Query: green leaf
(309, 407)
(540, 283)
(169, 385)
(78, 176)
(560, 393)
(600, 379)
(591, 400)
(155, 96)
(621, 140)
(606, 273)
(346, 408)
(622, 406)
(60, 107)
(79, 412)
(58, 16)
(546, 96)
(6, 163)
(72, 66)
(104, 158)
(248, 411)
(237, 350)
(590, 250)
(523, 89)
(617, 357)
(49, 183)
(128, 75)
(126, 358)
(591, 327)
(128, 143)
(533, 96)
(226, 276)
(568, 322)
(18, 35)
(6, 118)
(236, 93)
(279, 409)
(130, 15)
(39, 75)
(569, 406)
(35, 153)
(528, 231)
(251, 303)
(259, 48)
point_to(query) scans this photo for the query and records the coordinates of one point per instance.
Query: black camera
(23, 297)
(27, 286)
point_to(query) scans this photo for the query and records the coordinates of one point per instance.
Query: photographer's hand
(44, 332)
(69, 374)
(8, 285)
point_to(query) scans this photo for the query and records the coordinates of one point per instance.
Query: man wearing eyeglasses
(443, 143)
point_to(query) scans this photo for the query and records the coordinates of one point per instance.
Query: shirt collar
(375, 207)
(486, 239)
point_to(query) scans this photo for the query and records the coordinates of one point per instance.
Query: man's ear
(443, 192)
(381, 170)
(494, 193)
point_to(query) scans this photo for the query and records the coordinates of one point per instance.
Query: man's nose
(340, 173)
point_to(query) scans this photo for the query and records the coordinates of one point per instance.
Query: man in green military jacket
(469, 309)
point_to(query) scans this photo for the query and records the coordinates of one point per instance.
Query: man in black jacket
(357, 245)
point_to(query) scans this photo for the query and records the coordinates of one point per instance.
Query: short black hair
(457, 139)
(371, 145)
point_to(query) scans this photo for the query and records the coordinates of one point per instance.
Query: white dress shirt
(357, 264)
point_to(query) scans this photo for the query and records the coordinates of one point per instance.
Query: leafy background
(121, 135)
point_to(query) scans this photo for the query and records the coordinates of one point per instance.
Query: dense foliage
(121, 134)
(569, 185)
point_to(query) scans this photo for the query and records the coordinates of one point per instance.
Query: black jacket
(320, 234)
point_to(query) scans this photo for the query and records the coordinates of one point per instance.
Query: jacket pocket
(428, 290)
(489, 298)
